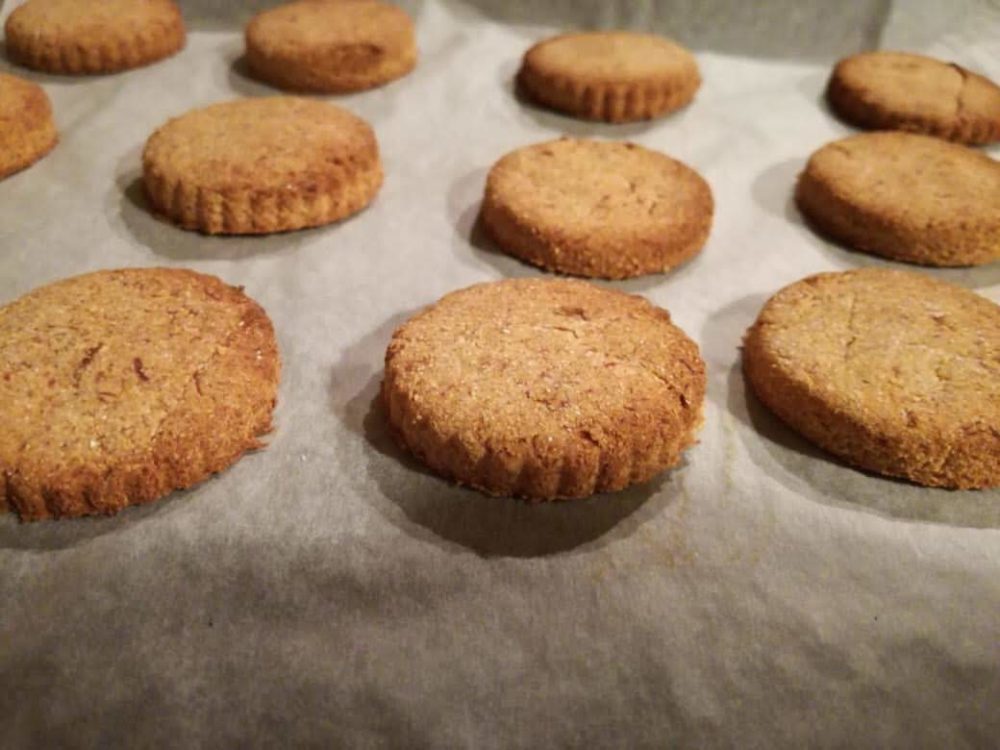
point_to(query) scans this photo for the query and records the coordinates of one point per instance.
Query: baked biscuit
(27, 131)
(117, 387)
(331, 47)
(544, 388)
(596, 208)
(70, 36)
(615, 76)
(894, 372)
(902, 91)
(907, 197)
(255, 166)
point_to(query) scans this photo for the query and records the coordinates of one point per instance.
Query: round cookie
(894, 372)
(27, 131)
(907, 197)
(69, 36)
(117, 387)
(255, 166)
(330, 47)
(543, 388)
(902, 91)
(615, 76)
(596, 208)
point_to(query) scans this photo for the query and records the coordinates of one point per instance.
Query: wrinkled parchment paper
(328, 591)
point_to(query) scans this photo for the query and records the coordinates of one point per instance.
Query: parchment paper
(329, 592)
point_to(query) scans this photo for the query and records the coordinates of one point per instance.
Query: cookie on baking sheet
(104, 36)
(544, 388)
(903, 91)
(330, 47)
(907, 197)
(595, 208)
(117, 387)
(616, 76)
(27, 132)
(255, 166)
(892, 371)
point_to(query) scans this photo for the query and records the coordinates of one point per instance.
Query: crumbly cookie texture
(255, 166)
(902, 91)
(597, 209)
(544, 388)
(907, 197)
(27, 131)
(331, 47)
(615, 76)
(105, 36)
(894, 372)
(118, 387)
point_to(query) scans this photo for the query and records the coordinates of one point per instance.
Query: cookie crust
(71, 37)
(901, 91)
(256, 166)
(330, 47)
(543, 388)
(891, 371)
(117, 387)
(614, 76)
(597, 209)
(907, 197)
(27, 131)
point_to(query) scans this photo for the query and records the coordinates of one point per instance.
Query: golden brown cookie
(103, 36)
(117, 387)
(330, 47)
(255, 166)
(907, 197)
(544, 388)
(596, 208)
(616, 76)
(27, 131)
(894, 372)
(902, 91)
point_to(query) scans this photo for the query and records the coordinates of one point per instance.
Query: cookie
(543, 388)
(615, 76)
(902, 91)
(69, 36)
(117, 387)
(595, 208)
(907, 197)
(894, 372)
(331, 47)
(255, 166)
(27, 132)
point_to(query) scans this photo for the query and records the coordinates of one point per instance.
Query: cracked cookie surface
(256, 166)
(105, 36)
(117, 387)
(904, 196)
(544, 388)
(597, 209)
(892, 371)
(902, 91)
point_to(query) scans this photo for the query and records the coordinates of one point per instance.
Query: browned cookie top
(597, 208)
(894, 371)
(69, 36)
(331, 46)
(27, 131)
(903, 91)
(906, 196)
(117, 387)
(544, 388)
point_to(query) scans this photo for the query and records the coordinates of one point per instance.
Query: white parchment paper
(327, 591)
